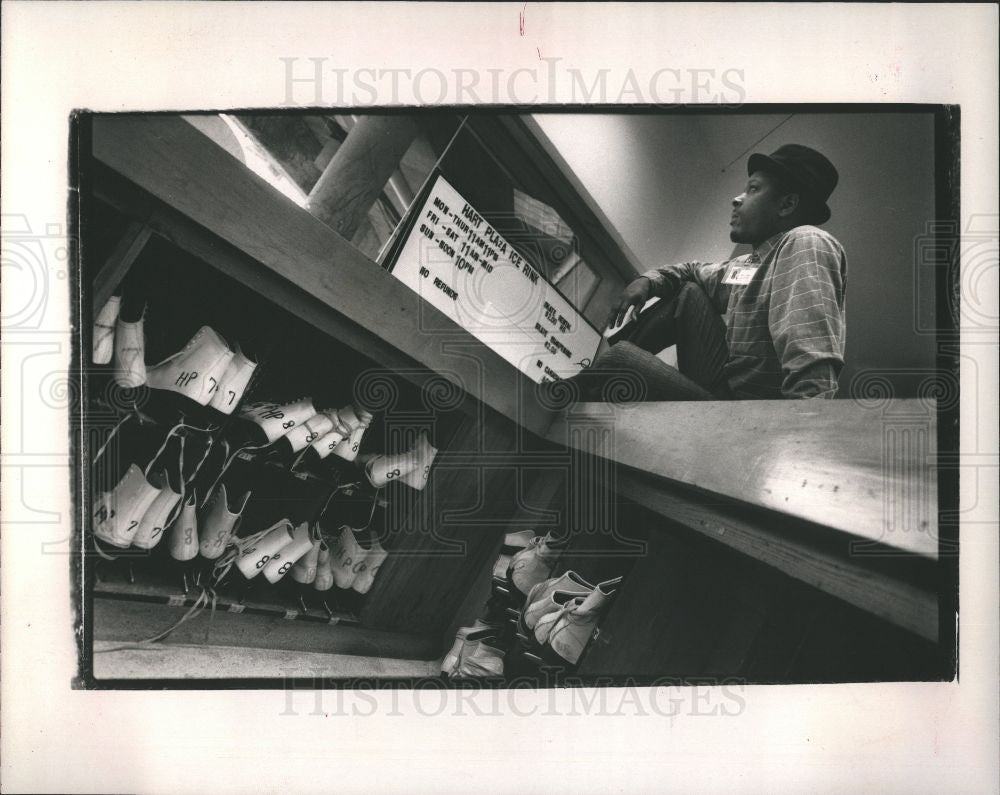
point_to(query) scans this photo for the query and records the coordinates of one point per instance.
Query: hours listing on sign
(468, 240)
(460, 263)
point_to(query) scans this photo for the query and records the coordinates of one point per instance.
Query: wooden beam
(868, 472)
(126, 251)
(359, 170)
(789, 547)
(178, 165)
(290, 141)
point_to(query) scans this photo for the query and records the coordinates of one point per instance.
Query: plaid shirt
(786, 328)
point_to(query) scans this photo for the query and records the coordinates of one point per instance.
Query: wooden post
(359, 170)
(125, 253)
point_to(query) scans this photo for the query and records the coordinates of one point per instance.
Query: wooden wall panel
(450, 535)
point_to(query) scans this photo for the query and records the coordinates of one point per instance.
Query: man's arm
(806, 314)
(666, 282)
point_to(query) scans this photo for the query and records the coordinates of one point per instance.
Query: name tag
(739, 273)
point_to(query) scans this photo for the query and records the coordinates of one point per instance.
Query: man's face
(757, 211)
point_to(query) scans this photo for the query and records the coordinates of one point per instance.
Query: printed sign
(456, 261)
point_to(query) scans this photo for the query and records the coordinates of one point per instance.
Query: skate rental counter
(800, 544)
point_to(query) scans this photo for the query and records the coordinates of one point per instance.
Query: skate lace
(559, 625)
(235, 547)
(207, 598)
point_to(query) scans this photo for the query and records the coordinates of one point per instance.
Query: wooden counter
(836, 494)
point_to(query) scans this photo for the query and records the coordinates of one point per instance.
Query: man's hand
(635, 294)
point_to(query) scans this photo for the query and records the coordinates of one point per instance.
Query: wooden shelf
(282, 251)
(130, 620)
(412, 598)
(157, 593)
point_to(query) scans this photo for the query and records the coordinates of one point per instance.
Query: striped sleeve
(668, 281)
(806, 313)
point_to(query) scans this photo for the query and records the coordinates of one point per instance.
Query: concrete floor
(177, 661)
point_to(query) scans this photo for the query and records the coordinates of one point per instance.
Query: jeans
(629, 371)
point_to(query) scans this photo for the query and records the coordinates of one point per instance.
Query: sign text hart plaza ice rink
(455, 260)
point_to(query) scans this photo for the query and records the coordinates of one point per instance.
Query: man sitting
(784, 329)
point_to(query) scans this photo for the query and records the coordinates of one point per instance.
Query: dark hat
(807, 169)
